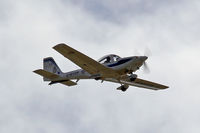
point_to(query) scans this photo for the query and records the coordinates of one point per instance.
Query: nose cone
(144, 58)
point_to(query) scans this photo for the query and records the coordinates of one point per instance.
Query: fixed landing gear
(133, 77)
(123, 88)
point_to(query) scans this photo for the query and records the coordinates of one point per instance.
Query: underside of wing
(88, 64)
(149, 85)
(140, 83)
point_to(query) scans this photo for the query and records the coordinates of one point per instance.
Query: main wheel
(133, 77)
(123, 88)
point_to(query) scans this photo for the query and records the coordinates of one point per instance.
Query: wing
(140, 83)
(149, 85)
(54, 78)
(88, 64)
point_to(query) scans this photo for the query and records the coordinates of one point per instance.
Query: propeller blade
(146, 68)
(147, 52)
(136, 52)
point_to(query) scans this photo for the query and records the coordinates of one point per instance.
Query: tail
(50, 65)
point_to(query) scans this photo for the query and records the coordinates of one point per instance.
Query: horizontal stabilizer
(69, 83)
(64, 82)
(54, 78)
(49, 75)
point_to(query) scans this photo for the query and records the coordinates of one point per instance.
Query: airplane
(110, 68)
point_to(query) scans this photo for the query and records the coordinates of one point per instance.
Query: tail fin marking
(50, 65)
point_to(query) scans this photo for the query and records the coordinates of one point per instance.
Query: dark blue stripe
(120, 62)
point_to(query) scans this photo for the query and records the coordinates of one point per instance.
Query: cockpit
(109, 59)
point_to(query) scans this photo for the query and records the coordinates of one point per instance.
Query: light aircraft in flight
(110, 68)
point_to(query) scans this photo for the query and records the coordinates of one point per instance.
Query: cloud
(120, 11)
(30, 28)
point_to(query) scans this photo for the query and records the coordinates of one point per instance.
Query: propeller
(146, 68)
(147, 53)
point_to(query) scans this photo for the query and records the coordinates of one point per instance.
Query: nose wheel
(133, 77)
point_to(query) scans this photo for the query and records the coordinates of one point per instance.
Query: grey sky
(29, 30)
(120, 11)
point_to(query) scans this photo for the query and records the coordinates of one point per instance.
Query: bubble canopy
(109, 59)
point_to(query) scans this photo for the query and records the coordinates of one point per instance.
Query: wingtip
(59, 45)
(165, 87)
(36, 71)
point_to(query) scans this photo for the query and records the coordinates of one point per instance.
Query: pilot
(107, 60)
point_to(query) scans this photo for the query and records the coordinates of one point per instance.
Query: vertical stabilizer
(50, 65)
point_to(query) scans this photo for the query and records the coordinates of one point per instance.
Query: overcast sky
(169, 28)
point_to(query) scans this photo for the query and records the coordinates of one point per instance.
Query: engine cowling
(123, 87)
